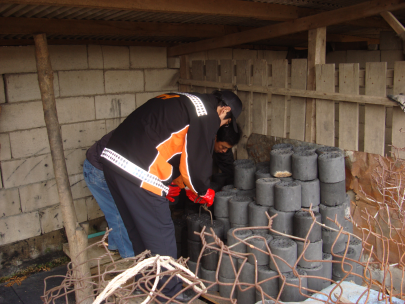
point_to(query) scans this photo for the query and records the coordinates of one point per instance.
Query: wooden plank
(211, 71)
(259, 105)
(374, 121)
(372, 100)
(298, 104)
(316, 55)
(398, 117)
(349, 112)
(184, 72)
(244, 119)
(27, 26)
(323, 19)
(197, 73)
(233, 8)
(278, 107)
(325, 109)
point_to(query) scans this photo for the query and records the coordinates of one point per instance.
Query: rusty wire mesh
(381, 236)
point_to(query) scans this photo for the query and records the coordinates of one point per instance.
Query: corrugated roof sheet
(75, 13)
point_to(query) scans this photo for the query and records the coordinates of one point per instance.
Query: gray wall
(96, 87)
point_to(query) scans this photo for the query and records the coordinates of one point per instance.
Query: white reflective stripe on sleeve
(133, 169)
(199, 106)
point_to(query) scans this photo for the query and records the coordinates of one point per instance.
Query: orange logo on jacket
(167, 96)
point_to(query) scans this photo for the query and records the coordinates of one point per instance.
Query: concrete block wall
(96, 87)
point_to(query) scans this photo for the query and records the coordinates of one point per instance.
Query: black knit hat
(233, 101)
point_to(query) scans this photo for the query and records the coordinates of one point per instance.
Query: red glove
(208, 198)
(174, 191)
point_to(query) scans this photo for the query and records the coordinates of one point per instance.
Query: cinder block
(270, 56)
(74, 160)
(173, 62)
(95, 57)
(25, 87)
(336, 57)
(82, 134)
(241, 54)
(389, 40)
(75, 109)
(115, 57)
(2, 91)
(29, 142)
(219, 54)
(17, 59)
(112, 106)
(112, 124)
(68, 57)
(27, 171)
(78, 186)
(9, 202)
(391, 56)
(19, 227)
(51, 218)
(161, 80)
(124, 81)
(5, 150)
(148, 57)
(362, 57)
(77, 83)
(93, 209)
(38, 195)
(80, 209)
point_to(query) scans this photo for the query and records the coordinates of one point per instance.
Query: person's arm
(196, 157)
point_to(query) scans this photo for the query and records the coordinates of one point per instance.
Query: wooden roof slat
(4, 7)
(68, 12)
(114, 14)
(365, 9)
(84, 13)
(13, 10)
(13, 25)
(59, 11)
(24, 10)
(266, 11)
(39, 11)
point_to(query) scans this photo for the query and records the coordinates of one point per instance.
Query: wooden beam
(27, 26)
(365, 9)
(374, 100)
(333, 38)
(11, 42)
(371, 22)
(234, 8)
(394, 23)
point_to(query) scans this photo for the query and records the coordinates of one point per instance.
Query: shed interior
(305, 70)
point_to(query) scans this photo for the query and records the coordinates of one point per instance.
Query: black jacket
(143, 145)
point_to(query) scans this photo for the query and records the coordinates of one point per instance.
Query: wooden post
(316, 55)
(76, 235)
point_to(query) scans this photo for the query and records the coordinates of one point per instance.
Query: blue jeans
(118, 237)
